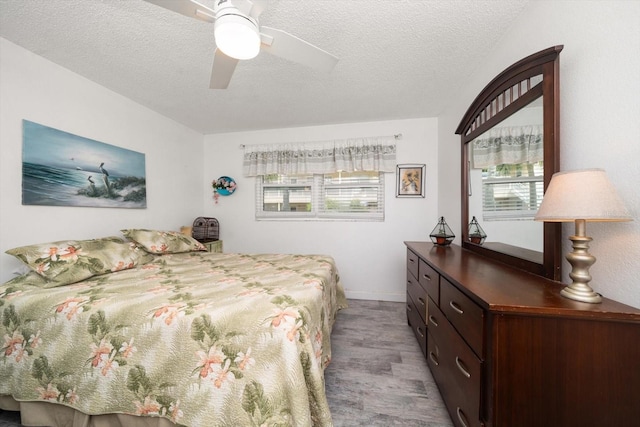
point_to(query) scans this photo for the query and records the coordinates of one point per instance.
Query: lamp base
(581, 294)
(580, 260)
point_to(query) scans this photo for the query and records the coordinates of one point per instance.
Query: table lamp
(581, 196)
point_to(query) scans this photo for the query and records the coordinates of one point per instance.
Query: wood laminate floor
(377, 376)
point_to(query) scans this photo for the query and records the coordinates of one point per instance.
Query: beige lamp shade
(582, 194)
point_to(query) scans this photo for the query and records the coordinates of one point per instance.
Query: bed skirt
(54, 415)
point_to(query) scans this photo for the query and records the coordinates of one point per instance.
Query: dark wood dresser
(506, 350)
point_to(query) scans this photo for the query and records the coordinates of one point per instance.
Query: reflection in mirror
(503, 180)
(506, 175)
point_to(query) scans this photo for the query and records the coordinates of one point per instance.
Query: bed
(167, 337)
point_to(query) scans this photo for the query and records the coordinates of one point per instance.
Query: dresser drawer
(436, 322)
(417, 324)
(465, 315)
(430, 280)
(436, 359)
(418, 295)
(466, 371)
(412, 263)
(455, 368)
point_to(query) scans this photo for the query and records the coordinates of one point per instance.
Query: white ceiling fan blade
(190, 8)
(223, 68)
(290, 47)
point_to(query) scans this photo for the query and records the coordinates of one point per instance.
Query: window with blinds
(339, 195)
(512, 191)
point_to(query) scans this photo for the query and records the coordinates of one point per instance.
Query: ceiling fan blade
(190, 8)
(292, 48)
(223, 68)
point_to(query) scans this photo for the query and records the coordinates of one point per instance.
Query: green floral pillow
(163, 242)
(69, 261)
(31, 278)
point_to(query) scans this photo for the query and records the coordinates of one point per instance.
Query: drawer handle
(460, 365)
(421, 301)
(426, 276)
(433, 320)
(420, 332)
(411, 260)
(462, 417)
(434, 358)
(409, 307)
(456, 307)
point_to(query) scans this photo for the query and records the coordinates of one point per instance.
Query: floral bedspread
(203, 339)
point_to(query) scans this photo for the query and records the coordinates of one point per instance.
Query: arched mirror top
(529, 85)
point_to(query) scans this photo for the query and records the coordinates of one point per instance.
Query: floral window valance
(508, 145)
(357, 154)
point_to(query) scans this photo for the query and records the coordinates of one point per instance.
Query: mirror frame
(494, 104)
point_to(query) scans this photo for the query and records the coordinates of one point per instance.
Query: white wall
(370, 255)
(599, 119)
(35, 89)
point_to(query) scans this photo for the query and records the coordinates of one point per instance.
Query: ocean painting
(63, 169)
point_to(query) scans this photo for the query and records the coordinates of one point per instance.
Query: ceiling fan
(239, 36)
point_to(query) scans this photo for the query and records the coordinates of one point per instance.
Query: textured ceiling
(398, 58)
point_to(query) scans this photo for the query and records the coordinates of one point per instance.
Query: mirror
(506, 186)
(510, 150)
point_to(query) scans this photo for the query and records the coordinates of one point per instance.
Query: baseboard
(376, 296)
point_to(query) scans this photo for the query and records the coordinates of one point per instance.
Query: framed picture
(410, 180)
(63, 169)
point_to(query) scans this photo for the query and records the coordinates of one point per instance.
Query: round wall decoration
(225, 186)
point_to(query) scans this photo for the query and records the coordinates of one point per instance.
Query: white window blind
(352, 195)
(512, 191)
(340, 195)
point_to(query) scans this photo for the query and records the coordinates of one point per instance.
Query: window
(339, 195)
(512, 191)
(284, 195)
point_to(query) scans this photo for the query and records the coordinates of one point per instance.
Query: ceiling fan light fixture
(237, 36)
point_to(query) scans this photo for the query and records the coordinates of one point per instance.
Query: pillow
(163, 242)
(30, 278)
(69, 261)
